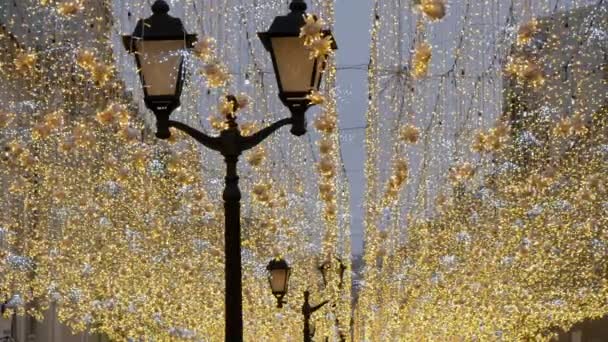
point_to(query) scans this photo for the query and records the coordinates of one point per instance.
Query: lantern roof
(289, 25)
(277, 264)
(159, 26)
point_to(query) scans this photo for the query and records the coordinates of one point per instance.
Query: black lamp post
(307, 311)
(297, 74)
(157, 43)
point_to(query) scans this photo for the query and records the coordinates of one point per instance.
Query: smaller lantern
(325, 267)
(278, 277)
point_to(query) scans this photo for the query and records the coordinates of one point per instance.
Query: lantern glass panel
(160, 63)
(278, 280)
(298, 73)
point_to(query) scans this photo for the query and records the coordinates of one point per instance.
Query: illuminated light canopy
(157, 44)
(297, 71)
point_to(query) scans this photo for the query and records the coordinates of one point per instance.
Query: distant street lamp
(297, 74)
(278, 278)
(158, 43)
(325, 268)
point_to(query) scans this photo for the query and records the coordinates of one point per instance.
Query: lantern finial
(160, 7)
(298, 6)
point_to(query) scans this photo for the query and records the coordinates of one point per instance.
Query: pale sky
(353, 37)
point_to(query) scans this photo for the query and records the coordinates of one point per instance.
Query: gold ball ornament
(86, 59)
(69, 8)
(25, 62)
(311, 30)
(433, 9)
(205, 48)
(326, 123)
(409, 134)
(421, 60)
(256, 157)
(326, 167)
(326, 146)
(6, 119)
(527, 31)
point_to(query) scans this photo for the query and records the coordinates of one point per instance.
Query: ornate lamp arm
(256, 138)
(318, 306)
(213, 143)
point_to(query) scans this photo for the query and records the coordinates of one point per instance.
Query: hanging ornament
(409, 134)
(579, 126)
(243, 101)
(69, 8)
(327, 191)
(315, 97)
(227, 107)
(421, 60)
(105, 117)
(215, 74)
(479, 142)
(397, 180)
(86, 59)
(218, 123)
(261, 192)
(248, 128)
(55, 119)
(563, 128)
(25, 62)
(6, 119)
(433, 9)
(312, 29)
(326, 123)
(205, 49)
(525, 70)
(491, 141)
(461, 173)
(321, 47)
(326, 167)
(527, 31)
(326, 146)
(101, 74)
(256, 157)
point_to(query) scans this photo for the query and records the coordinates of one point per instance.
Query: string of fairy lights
(122, 233)
(474, 224)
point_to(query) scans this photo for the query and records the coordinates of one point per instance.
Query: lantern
(296, 72)
(278, 277)
(158, 43)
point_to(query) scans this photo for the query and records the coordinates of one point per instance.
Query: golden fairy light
(112, 202)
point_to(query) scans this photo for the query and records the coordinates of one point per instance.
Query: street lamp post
(158, 43)
(307, 311)
(278, 277)
(231, 144)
